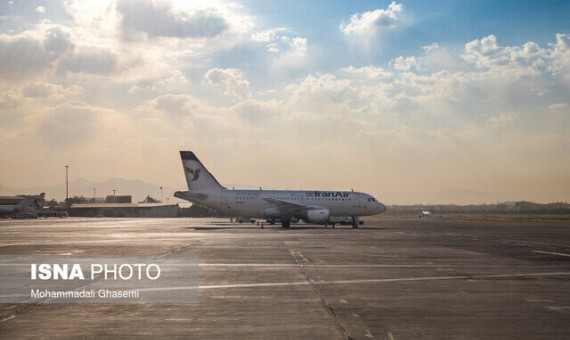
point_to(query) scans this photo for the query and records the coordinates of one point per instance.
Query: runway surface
(394, 278)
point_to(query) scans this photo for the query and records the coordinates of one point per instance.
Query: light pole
(160, 194)
(66, 189)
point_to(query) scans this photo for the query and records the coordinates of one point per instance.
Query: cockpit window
(370, 199)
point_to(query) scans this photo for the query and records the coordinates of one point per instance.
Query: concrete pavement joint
(324, 303)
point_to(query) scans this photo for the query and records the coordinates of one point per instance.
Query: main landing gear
(285, 223)
(355, 222)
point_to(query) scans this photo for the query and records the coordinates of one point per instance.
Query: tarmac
(393, 278)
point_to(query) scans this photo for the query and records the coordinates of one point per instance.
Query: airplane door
(223, 197)
(355, 200)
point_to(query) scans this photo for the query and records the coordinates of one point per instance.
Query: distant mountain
(83, 187)
(465, 196)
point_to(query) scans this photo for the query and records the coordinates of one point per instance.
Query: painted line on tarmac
(550, 253)
(305, 283)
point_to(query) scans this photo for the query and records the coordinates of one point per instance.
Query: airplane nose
(381, 208)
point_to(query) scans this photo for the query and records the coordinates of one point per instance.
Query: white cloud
(557, 106)
(322, 95)
(273, 48)
(431, 47)
(298, 47)
(369, 71)
(233, 82)
(405, 64)
(486, 53)
(40, 9)
(264, 36)
(560, 56)
(368, 23)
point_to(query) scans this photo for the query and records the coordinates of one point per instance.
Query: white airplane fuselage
(254, 203)
(313, 206)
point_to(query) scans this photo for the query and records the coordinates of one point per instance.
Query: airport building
(123, 210)
(11, 200)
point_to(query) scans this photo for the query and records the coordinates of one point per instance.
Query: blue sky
(408, 100)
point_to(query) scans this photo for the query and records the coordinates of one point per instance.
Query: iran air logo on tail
(195, 173)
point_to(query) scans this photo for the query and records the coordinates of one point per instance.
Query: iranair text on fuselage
(341, 194)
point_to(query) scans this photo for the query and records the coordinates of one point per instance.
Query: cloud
(264, 36)
(557, 106)
(277, 41)
(9, 101)
(431, 47)
(294, 54)
(497, 121)
(560, 55)
(176, 104)
(298, 47)
(40, 9)
(165, 20)
(486, 53)
(69, 125)
(258, 112)
(369, 71)
(57, 40)
(323, 95)
(39, 90)
(22, 56)
(90, 60)
(233, 82)
(369, 23)
(405, 64)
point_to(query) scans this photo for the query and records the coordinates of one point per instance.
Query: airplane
(26, 205)
(314, 206)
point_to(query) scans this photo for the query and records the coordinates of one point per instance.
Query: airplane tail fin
(197, 177)
(25, 203)
(40, 200)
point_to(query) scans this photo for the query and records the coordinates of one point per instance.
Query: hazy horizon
(139, 190)
(403, 100)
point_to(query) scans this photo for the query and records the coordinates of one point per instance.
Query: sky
(409, 101)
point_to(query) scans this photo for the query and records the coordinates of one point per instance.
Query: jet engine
(318, 216)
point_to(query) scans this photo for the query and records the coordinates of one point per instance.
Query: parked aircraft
(314, 206)
(28, 204)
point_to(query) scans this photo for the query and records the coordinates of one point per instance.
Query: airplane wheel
(286, 224)
(354, 222)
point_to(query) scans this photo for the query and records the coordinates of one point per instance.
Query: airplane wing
(288, 208)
